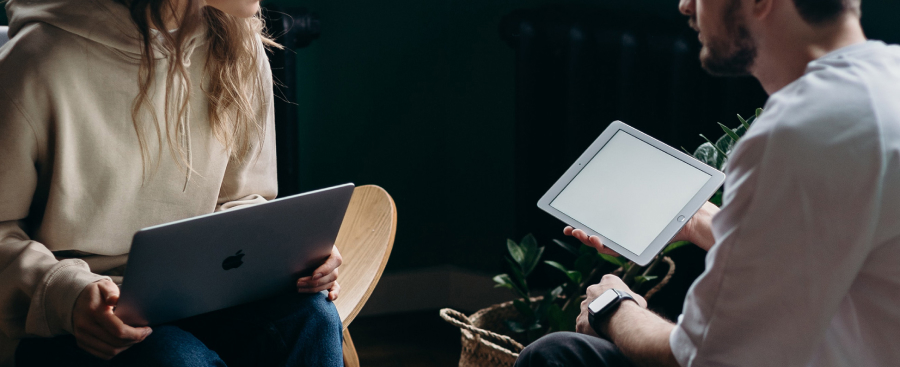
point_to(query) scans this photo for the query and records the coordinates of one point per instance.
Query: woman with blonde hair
(119, 115)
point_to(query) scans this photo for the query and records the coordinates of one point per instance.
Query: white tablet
(632, 190)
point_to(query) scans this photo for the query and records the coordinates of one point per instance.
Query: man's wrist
(625, 306)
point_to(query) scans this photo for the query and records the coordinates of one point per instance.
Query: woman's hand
(97, 330)
(698, 230)
(325, 277)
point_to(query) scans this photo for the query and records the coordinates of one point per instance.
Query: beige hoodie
(72, 189)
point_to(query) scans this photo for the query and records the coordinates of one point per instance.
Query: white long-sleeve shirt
(806, 266)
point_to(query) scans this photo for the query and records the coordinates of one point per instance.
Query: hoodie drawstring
(183, 126)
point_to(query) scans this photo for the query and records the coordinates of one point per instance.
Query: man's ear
(763, 8)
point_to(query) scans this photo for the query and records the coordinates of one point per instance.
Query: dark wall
(418, 97)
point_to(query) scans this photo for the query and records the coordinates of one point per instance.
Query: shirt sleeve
(801, 201)
(37, 292)
(254, 179)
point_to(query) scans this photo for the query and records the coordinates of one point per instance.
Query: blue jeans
(289, 330)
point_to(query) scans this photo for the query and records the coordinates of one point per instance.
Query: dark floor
(419, 338)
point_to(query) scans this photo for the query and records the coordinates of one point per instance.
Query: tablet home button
(681, 218)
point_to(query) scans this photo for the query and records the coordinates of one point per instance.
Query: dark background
(419, 97)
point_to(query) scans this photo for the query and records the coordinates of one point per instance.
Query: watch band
(595, 318)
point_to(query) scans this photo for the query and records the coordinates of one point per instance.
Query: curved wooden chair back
(365, 242)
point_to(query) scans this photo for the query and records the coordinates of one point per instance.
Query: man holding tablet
(803, 258)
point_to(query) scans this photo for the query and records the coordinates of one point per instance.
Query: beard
(732, 55)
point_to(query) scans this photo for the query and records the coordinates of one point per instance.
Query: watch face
(604, 300)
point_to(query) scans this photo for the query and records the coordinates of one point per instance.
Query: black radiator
(293, 28)
(580, 68)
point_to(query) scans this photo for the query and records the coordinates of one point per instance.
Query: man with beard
(803, 257)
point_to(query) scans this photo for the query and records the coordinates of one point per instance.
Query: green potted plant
(494, 336)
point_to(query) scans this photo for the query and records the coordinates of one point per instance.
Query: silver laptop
(219, 260)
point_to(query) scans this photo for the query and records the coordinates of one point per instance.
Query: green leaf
(585, 249)
(555, 293)
(743, 122)
(556, 318)
(720, 151)
(566, 246)
(585, 263)
(729, 132)
(550, 298)
(613, 260)
(515, 251)
(557, 265)
(529, 243)
(503, 281)
(532, 254)
(717, 198)
(674, 245)
(523, 309)
(517, 277)
(707, 153)
(532, 261)
(572, 314)
(574, 276)
(514, 326)
(759, 111)
(640, 279)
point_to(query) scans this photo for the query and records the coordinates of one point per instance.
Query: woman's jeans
(290, 330)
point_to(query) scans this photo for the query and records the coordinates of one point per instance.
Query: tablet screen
(630, 191)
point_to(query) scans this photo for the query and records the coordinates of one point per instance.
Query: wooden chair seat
(365, 242)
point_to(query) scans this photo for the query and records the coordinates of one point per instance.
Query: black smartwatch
(604, 306)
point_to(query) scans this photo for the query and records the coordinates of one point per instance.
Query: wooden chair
(365, 241)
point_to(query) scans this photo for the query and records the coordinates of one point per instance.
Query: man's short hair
(824, 11)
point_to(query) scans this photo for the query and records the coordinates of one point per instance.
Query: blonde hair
(236, 88)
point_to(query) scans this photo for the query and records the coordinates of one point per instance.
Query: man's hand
(609, 281)
(97, 330)
(592, 241)
(325, 277)
(698, 230)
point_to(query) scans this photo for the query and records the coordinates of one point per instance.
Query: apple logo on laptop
(234, 261)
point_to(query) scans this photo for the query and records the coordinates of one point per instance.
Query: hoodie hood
(103, 21)
(107, 22)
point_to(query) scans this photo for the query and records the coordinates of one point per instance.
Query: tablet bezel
(662, 239)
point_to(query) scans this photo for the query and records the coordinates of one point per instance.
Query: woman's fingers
(310, 282)
(334, 292)
(117, 329)
(109, 292)
(330, 266)
(98, 332)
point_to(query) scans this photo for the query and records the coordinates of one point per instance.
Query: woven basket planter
(483, 341)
